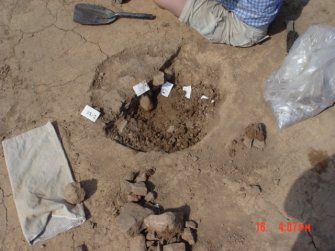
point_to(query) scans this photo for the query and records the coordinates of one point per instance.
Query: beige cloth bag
(38, 172)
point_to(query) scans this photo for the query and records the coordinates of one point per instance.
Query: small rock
(175, 247)
(191, 224)
(130, 219)
(150, 197)
(74, 193)
(166, 225)
(158, 79)
(125, 187)
(258, 144)
(138, 243)
(142, 177)
(146, 103)
(118, 1)
(139, 188)
(130, 176)
(133, 198)
(188, 236)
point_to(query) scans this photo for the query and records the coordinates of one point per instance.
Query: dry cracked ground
(48, 64)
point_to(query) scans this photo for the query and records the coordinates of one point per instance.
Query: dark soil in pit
(174, 124)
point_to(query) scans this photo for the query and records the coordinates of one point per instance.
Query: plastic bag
(305, 84)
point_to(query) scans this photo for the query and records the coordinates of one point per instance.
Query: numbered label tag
(90, 113)
(141, 88)
(187, 91)
(166, 89)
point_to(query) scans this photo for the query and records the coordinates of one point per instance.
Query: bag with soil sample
(305, 84)
(38, 172)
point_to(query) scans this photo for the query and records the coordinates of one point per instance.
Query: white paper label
(166, 89)
(187, 90)
(204, 97)
(90, 113)
(141, 88)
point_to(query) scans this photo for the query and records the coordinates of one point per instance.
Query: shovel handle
(135, 15)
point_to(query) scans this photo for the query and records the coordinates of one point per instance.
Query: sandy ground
(48, 64)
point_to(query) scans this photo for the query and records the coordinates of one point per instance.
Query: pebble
(74, 193)
(138, 243)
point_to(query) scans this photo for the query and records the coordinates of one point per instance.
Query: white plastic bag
(305, 84)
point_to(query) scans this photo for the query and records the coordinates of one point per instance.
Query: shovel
(96, 14)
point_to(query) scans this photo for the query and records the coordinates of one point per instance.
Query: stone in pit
(130, 219)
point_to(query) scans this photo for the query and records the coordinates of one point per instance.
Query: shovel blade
(92, 14)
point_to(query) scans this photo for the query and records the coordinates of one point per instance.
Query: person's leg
(174, 6)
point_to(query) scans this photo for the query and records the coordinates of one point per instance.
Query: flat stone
(188, 236)
(138, 243)
(130, 219)
(175, 247)
(191, 224)
(139, 188)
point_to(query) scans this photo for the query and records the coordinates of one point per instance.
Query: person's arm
(174, 6)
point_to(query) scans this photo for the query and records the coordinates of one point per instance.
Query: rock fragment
(256, 131)
(138, 243)
(74, 193)
(158, 79)
(150, 197)
(258, 144)
(151, 236)
(188, 236)
(130, 219)
(166, 225)
(146, 103)
(174, 247)
(133, 198)
(139, 188)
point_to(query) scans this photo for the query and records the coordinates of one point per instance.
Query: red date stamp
(285, 227)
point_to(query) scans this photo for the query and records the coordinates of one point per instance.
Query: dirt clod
(74, 193)
(256, 131)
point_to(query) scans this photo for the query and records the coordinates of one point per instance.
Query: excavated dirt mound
(175, 122)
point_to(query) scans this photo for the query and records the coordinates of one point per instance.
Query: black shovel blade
(93, 14)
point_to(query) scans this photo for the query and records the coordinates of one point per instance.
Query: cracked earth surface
(47, 65)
